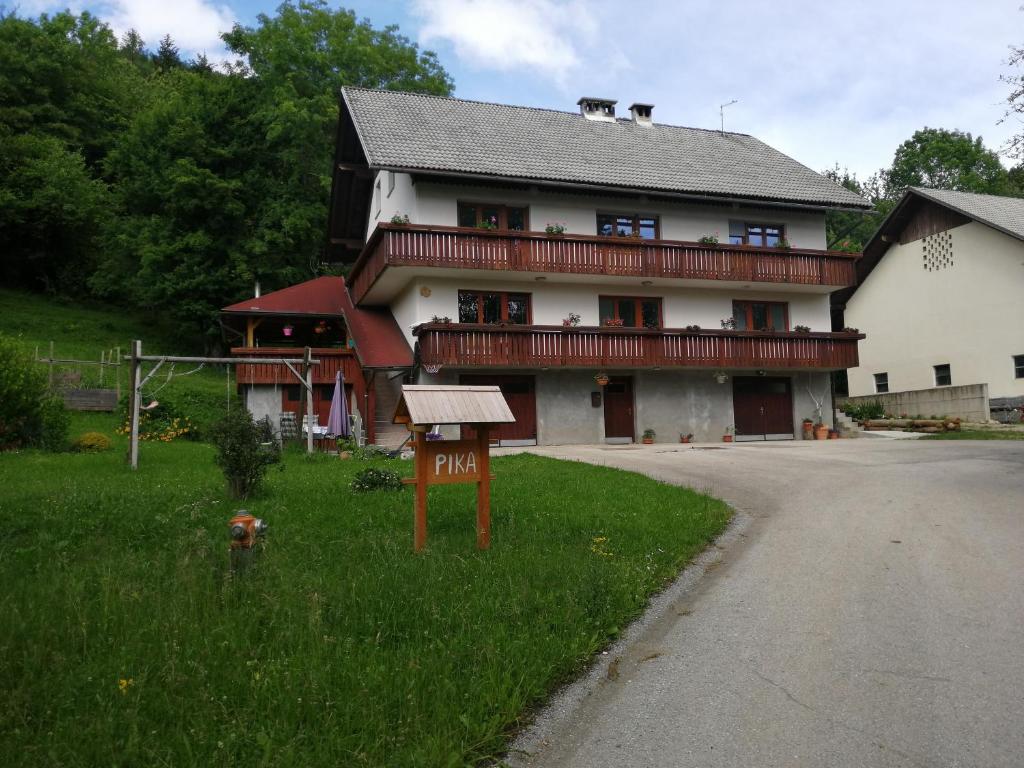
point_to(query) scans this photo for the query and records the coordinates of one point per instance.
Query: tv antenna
(721, 112)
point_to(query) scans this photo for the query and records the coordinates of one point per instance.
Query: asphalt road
(867, 610)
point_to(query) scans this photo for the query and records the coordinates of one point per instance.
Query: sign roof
(428, 404)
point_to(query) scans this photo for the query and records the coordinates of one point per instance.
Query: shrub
(91, 442)
(373, 479)
(240, 452)
(864, 411)
(29, 414)
(166, 422)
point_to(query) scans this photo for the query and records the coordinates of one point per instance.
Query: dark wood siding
(930, 219)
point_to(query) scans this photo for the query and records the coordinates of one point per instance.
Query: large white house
(940, 296)
(612, 274)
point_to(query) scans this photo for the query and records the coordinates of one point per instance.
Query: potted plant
(400, 219)
(572, 321)
(601, 379)
(727, 437)
(687, 438)
(612, 322)
(808, 429)
(491, 223)
(555, 228)
(833, 434)
(648, 438)
(709, 239)
(693, 327)
(729, 323)
(820, 431)
(802, 328)
(783, 244)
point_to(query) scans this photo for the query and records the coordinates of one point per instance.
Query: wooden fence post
(102, 366)
(136, 394)
(307, 375)
(51, 366)
(117, 375)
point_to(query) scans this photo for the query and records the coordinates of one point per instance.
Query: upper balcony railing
(540, 346)
(398, 245)
(332, 360)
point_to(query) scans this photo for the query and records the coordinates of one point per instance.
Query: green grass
(977, 434)
(338, 646)
(81, 331)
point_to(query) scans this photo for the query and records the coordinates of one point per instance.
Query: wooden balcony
(397, 245)
(332, 360)
(541, 346)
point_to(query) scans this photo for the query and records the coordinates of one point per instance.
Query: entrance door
(520, 394)
(618, 408)
(763, 407)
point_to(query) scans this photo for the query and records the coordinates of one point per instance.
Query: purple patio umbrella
(337, 421)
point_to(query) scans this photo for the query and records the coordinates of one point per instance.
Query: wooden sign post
(439, 462)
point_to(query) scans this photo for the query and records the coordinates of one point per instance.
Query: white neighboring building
(940, 296)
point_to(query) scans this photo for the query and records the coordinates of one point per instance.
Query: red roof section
(379, 341)
(320, 296)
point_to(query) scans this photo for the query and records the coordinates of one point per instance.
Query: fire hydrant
(244, 529)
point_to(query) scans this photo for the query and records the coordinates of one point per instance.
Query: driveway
(867, 611)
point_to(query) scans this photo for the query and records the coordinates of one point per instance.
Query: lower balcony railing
(538, 346)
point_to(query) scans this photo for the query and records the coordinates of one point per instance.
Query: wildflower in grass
(597, 545)
(124, 684)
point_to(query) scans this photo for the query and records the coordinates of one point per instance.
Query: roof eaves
(924, 192)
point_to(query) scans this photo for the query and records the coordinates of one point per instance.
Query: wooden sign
(452, 461)
(439, 462)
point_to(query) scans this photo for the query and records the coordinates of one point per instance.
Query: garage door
(763, 407)
(520, 394)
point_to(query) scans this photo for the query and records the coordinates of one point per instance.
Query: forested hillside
(134, 176)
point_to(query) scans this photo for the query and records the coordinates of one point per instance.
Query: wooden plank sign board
(453, 461)
(440, 462)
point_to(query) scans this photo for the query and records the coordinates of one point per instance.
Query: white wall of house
(553, 301)
(393, 195)
(969, 314)
(432, 203)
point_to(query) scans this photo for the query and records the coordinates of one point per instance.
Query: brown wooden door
(762, 406)
(618, 407)
(520, 394)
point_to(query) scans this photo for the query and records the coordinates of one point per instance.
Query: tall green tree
(225, 178)
(943, 159)
(167, 57)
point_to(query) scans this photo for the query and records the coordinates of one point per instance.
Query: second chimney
(642, 113)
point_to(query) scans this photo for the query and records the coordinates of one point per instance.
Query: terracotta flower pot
(726, 438)
(821, 432)
(648, 441)
(808, 430)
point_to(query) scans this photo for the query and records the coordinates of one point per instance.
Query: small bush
(91, 442)
(864, 411)
(372, 479)
(29, 414)
(241, 453)
(165, 422)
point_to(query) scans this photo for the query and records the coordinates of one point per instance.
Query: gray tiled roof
(1003, 213)
(406, 130)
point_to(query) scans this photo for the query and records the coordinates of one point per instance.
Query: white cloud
(194, 25)
(545, 36)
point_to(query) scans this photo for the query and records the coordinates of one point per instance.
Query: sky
(827, 82)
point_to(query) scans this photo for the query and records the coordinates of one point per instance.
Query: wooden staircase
(387, 391)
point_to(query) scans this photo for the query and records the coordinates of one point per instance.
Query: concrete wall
(552, 301)
(263, 401)
(967, 313)
(970, 402)
(669, 402)
(438, 204)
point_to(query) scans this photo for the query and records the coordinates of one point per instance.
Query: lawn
(977, 434)
(81, 331)
(127, 640)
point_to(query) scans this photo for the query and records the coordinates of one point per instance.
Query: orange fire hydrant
(244, 529)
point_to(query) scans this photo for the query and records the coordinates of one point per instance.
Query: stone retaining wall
(968, 402)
